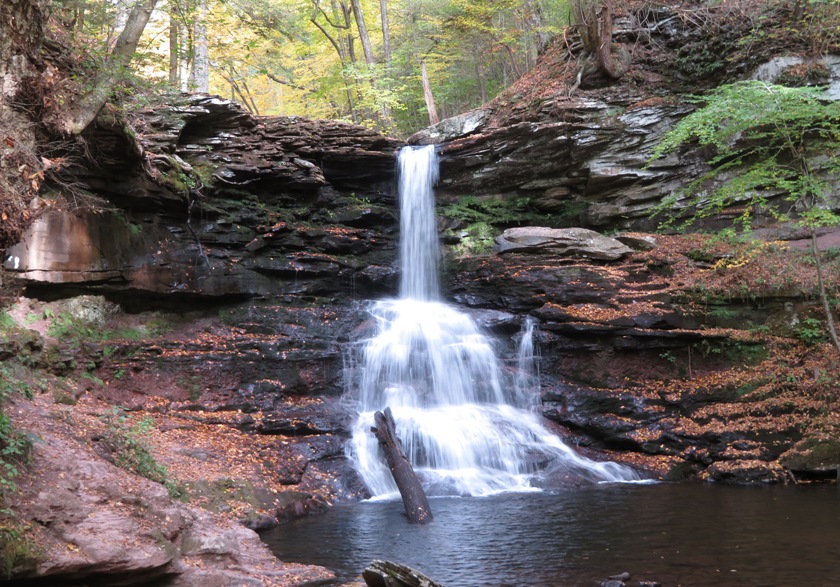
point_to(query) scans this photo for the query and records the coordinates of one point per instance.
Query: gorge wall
(241, 249)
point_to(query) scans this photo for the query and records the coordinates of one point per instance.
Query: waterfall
(468, 426)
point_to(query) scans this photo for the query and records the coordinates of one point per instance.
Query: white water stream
(467, 426)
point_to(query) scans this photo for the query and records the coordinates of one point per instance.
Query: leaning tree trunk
(829, 316)
(84, 111)
(428, 95)
(414, 498)
(364, 37)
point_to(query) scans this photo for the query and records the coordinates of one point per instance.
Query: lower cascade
(468, 426)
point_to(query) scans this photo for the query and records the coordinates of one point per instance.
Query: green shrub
(14, 452)
(6, 321)
(17, 548)
(14, 446)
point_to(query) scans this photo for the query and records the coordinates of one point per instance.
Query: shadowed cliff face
(206, 201)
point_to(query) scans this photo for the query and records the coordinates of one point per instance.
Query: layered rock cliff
(224, 261)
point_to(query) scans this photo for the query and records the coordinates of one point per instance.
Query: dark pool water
(679, 535)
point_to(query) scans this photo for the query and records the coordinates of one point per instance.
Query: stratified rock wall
(206, 201)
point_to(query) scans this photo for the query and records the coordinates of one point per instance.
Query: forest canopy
(359, 60)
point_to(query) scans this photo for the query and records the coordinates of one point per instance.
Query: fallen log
(414, 498)
(388, 574)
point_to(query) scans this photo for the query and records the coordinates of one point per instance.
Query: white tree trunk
(200, 75)
(386, 32)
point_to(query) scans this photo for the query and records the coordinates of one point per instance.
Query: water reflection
(679, 535)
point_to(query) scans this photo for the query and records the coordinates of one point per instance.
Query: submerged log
(388, 574)
(414, 498)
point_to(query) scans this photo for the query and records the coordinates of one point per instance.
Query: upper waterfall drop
(419, 250)
(467, 425)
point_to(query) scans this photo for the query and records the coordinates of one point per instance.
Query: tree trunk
(593, 18)
(414, 498)
(829, 316)
(386, 32)
(85, 109)
(363, 32)
(429, 97)
(200, 74)
(118, 24)
(389, 574)
(174, 49)
(482, 85)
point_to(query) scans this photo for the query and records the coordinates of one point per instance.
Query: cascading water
(467, 426)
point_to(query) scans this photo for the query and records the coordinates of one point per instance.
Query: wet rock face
(628, 365)
(220, 205)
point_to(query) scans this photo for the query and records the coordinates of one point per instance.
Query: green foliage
(480, 220)
(811, 331)
(775, 152)
(733, 351)
(17, 549)
(768, 142)
(14, 446)
(75, 330)
(14, 450)
(6, 321)
(476, 239)
(68, 328)
(11, 383)
(494, 211)
(127, 443)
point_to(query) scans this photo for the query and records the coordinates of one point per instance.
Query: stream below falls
(675, 534)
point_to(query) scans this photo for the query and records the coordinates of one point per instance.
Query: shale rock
(210, 202)
(389, 574)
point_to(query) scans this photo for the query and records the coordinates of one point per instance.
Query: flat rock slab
(390, 574)
(577, 242)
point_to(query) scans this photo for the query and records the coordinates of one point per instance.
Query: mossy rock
(813, 455)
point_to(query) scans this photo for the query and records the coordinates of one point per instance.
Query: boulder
(573, 242)
(452, 128)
